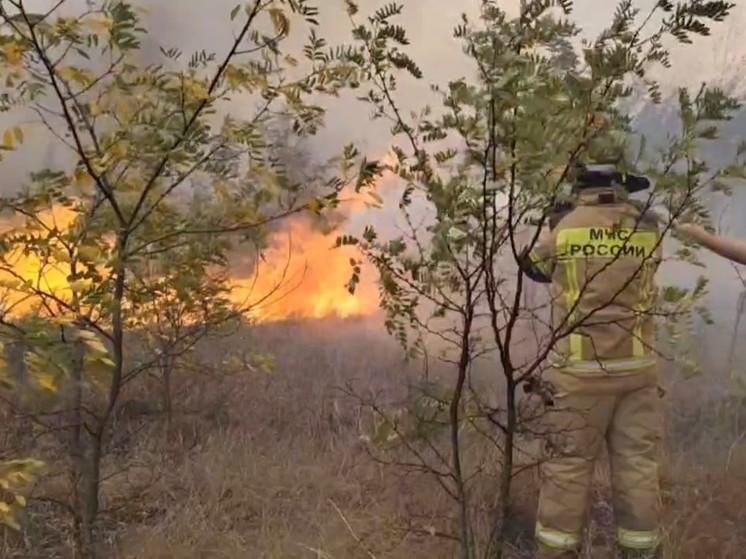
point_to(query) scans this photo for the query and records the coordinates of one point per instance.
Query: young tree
(498, 150)
(111, 245)
(180, 302)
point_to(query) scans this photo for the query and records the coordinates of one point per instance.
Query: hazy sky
(430, 24)
(194, 25)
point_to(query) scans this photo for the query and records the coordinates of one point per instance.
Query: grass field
(275, 468)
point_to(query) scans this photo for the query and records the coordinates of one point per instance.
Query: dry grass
(288, 477)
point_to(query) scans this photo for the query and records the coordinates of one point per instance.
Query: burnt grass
(272, 465)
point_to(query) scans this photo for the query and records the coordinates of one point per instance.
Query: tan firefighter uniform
(601, 258)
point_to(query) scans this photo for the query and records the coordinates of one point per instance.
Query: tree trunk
(166, 367)
(506, 477)
(455, 427)
(86, 498)
(85, 452)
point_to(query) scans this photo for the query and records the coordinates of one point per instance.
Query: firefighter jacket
(600, 260)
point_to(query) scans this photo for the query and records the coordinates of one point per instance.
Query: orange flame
(22, 275)
(302, 275)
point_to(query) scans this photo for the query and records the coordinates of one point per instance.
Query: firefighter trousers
(623, 411)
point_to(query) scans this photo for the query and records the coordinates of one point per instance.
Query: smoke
(194, 26)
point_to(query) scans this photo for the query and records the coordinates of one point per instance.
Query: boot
(626, 553)
(544, 552)
(558, 555)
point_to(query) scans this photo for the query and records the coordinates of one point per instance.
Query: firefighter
(732, 249)
(600, 258)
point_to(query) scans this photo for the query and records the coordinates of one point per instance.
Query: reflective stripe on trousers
(556, 539)
(616, 365)
(630, 539)
(638, 539)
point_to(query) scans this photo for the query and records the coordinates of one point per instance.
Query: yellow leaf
(98, 347)
(74, 75)
(89, 253)
(78, 285)
(92, 341)
(13, 54)
(234, 362)
(19, 477)
(6, 381)
(233, 75)
(123, 109)
(60, 255)
(221, 190)
(196, 89)
(265, 363)
(120, 149)
(8, 142)
(68, 73)
(47, 382)
(315, 206)
(101, 23)
(279, 21)
(12, 523)
(18, 133)
(83, 178)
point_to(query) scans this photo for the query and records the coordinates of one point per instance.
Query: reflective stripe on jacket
(602, 259)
